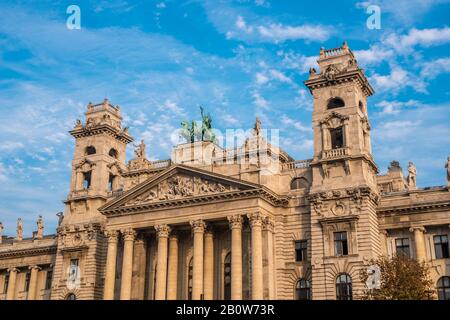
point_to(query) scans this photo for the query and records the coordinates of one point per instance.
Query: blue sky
(159, 60)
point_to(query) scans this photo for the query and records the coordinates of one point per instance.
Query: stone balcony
(335, 153)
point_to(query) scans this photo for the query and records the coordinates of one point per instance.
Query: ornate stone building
(242, 223)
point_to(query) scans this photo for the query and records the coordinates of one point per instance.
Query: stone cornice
(16, 253)
(102, 129)
(343, 77)
(262, 193)
(413, 208)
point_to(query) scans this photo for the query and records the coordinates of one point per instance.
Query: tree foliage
(402, 278)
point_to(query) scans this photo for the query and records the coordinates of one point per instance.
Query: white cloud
(280, 76)
(375, 55)
(394, 107)
(160, 5)
(432, 69)
(422, 37)
(8, 146)
(173, 107)
(279, 32)
(261, 78)
(259, 101)
(398, 79)
(296, 124)
(242, 25)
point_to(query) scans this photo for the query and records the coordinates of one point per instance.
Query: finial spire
(1, 232)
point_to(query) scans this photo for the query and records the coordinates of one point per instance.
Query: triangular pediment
(180, 184)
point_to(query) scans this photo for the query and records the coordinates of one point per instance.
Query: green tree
(401, 278)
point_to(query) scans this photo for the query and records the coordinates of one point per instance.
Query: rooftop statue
(191, 132)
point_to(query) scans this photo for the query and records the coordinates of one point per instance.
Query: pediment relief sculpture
(181, 186)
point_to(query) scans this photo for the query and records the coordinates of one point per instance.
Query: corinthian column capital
(256, 218)
(112, 235)
(198, 225)
(128, 234)
(268, 224)
(235, 221)
(162, 230)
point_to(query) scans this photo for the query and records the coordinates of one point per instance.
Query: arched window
(227, 277)
(113, 153)
(303, 290)
(443, 288)
(361, 106)
(190, 273)
(335, 103)
(299, 183)
(90, 150)
(344, 287)
(71, 296)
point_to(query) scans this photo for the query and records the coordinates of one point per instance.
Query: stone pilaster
(10, 294)
(257, 257)
(198, 229)
(419, 242)
(127, 266)
(163, 232)
(268, 228)
(236, 256)
(32, 290)
(208, 285)
(172, 277)
(110, 270)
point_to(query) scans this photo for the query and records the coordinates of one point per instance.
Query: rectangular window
(441, 246)
(48, 280)
(87, 180)
(27, 282)
(73, 270)
(301, 250)
(402, 246)
(340, 243)
(337, 138)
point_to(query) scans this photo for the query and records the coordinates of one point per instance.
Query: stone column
(33, 282)
(257, 261)
(172, 277)
(268, 226)
(10, 294)
(236, 256)
(383, 240)
(110, 270)
(198, 228)
(161, 264)
(208, 285)
(419, 241)
(127, 266)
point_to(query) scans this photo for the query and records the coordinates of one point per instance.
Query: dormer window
(334, 103)
(90, 150)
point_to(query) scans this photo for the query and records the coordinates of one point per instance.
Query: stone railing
(334, 153)
(160, 163)
(298, 164)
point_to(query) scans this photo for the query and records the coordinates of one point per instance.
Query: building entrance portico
(183, 254)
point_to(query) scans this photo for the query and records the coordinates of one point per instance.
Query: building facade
(243, 223)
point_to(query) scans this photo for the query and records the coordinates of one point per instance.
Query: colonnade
(203, 259)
